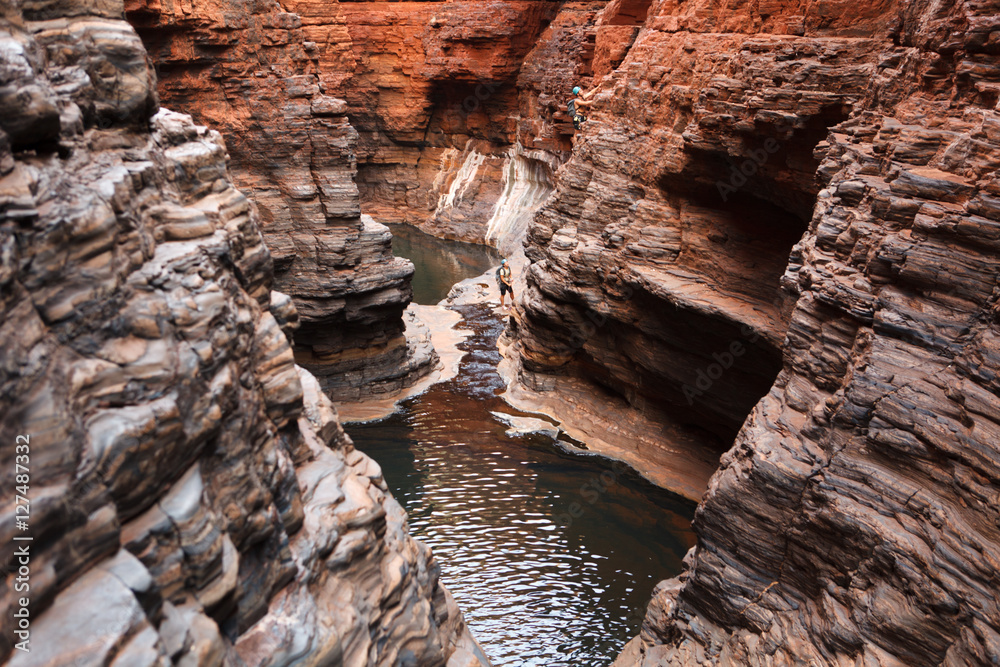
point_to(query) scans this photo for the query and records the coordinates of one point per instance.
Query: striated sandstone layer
(655, 266)
(797, 202)
(438, 159)
(248, 69)
(193, 499)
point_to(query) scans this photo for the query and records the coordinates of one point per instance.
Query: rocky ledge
(193, 499)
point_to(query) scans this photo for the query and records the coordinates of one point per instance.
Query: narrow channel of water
(551, 554)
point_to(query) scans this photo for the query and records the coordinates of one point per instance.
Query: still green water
(551, 553)
(439, 263)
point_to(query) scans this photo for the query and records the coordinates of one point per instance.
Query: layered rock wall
(190, 495)
(450, 98)
(796, 202)
(434, 99)
(654, 282)
(248, 69)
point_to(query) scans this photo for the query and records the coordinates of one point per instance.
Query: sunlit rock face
(434, 95)
(817, 184)
(193, 499)
(452, 104)
(449, 98)
(248, 69)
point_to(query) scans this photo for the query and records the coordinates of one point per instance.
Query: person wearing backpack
(505, 282)
(576, 103)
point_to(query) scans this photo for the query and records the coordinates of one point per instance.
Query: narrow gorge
(262, 405)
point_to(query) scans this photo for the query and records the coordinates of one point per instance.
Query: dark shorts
(505, 288)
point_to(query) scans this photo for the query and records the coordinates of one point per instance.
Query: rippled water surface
(552, 555)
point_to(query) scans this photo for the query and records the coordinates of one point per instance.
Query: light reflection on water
(536, 590)
(538, 586)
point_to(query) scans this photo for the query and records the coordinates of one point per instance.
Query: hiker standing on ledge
(505, 283)
(578, 102)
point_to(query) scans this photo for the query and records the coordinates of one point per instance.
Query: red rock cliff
(247, 69)
(459, 106)
(454, 103)
(797, 201)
